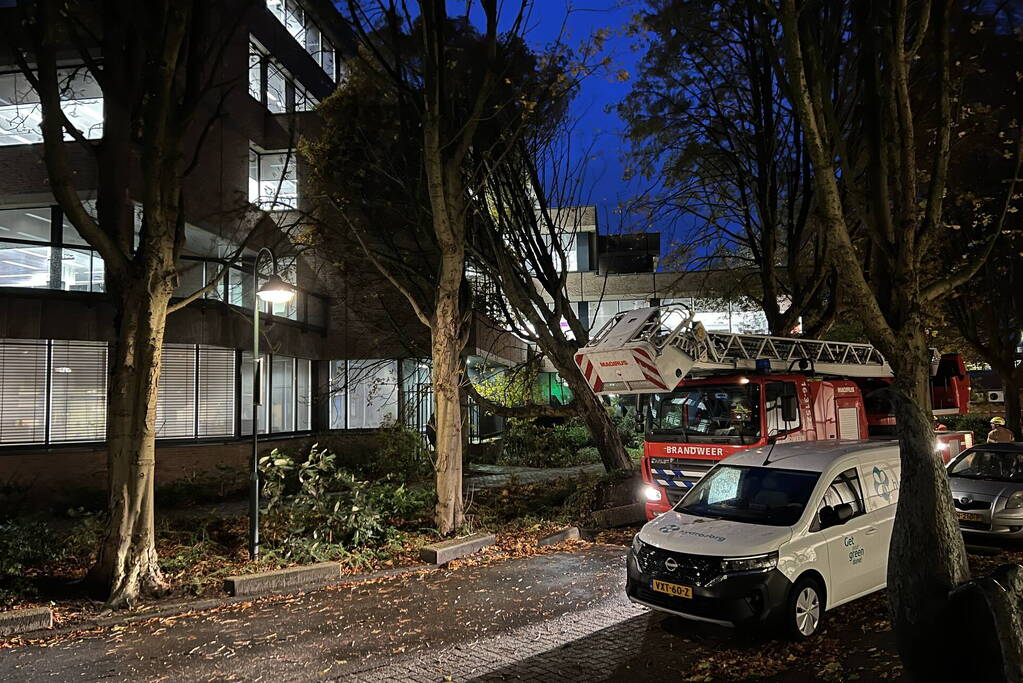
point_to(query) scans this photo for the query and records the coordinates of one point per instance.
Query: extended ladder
(650, 350)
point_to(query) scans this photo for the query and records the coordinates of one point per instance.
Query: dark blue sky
(598, 131)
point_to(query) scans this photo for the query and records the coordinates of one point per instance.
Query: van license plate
(672, 589)
(970, 517)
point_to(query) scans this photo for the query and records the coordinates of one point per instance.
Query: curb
(292, 578)
(24, 620)
(569, 533)
(445, 551)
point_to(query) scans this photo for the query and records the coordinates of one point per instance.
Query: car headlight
(764, 562)
(636, 544)
(1015, 501)
(652, 493)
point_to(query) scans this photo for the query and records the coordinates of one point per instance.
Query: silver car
(987, 489)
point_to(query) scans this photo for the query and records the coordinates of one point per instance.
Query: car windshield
(985, 464)
(729, 412)
(755, 495)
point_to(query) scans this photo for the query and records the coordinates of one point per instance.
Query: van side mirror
(835, 516)
(789, 408)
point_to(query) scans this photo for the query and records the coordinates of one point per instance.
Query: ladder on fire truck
(651, 350)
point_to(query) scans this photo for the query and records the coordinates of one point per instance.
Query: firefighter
(998, 433)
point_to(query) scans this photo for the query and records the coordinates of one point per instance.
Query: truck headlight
(1015, 501)
(652, 493)
(764, 562)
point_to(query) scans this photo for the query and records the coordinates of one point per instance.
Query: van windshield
(726, 412)
(755, 495)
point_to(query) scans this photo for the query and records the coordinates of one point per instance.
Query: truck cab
(704, 420)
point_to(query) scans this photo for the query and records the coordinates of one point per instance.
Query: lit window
(78, 395)
(273, 181)
(175, 405)
(34, 255)
(301, 26)
(21, 113)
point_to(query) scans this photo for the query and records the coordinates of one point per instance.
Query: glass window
(774, 393)
(216, 391)
(282, 400)
(276, 89)
(31, 225)
(327, 59)
(755, 495)
(24, 266)
(276, 8)
(191, 277)
(990, 465)
(337, 407)
(727, 413)
(76, 270)
(22, 391)
(246, 394)
(372, 388)
(273, 181)
(844, 489)
(78, 398)
(21, 114)
(175, 405)
(301, 26)
(255, 72)
(71, 235)
(304, 394)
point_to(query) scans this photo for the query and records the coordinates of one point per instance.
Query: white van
(773, 536)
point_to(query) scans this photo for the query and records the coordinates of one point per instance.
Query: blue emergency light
(763, 364)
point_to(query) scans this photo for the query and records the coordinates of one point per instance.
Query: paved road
(557, 616)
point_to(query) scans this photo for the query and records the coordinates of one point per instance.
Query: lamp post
(274, 290)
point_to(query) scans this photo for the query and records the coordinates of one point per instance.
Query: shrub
(224, 483)
(314, 509)
(402, 455)
(24, 544)
(527, 444)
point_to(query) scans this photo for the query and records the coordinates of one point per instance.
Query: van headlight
(1015, 501)
(756, 563)
(636, 544)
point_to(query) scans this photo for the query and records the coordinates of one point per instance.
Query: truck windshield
(755, 495)
(712, 410)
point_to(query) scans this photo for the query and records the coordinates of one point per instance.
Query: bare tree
(880, 150)
(152, 62)
(710, 124)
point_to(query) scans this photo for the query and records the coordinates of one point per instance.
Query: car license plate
(970, 517)
(672, 589)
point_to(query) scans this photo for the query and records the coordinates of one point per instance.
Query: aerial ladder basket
(650, 350)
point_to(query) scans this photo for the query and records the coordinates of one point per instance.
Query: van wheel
(804, 613)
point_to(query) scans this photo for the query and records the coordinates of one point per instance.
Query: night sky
(598, 132)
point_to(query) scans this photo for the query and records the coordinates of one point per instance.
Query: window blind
(216, 392)
(22, 391)
(282, 405)
(303, 391)
(175, 406)
(78, 391)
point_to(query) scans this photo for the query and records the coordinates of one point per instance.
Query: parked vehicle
(773, 536)
(987, 489)
(712, 394)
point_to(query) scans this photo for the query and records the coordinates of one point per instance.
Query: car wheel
(804, 614)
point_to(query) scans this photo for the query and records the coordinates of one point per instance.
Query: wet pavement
(558, 616)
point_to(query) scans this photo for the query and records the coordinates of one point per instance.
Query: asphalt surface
(559, 616)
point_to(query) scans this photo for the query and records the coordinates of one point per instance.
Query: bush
(314, 509)
(527, 444)
(225, 483)
(24, 544)
(402, 455)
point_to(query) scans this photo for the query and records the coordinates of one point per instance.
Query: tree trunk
(602, 430)
(927, 558)
(446, 348)
(127, 563)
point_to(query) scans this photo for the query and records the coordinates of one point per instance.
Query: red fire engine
(711, 394)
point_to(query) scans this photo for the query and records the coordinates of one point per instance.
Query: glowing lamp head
(276, 290)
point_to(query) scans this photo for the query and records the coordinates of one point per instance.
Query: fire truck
(711, 394)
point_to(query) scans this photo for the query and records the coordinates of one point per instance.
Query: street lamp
(275, 290)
